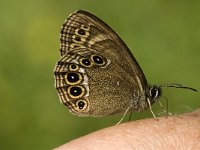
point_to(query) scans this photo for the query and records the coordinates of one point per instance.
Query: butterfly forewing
(101, 37)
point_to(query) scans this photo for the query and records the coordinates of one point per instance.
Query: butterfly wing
(84, 30)
(92, 84)
(111, 87)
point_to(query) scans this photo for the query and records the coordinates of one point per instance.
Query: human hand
(172, 132)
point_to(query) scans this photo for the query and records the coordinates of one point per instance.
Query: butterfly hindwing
(89, 83)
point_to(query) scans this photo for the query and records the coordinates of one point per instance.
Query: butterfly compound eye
(155, 92)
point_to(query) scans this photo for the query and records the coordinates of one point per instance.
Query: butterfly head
(156, 90)
(154, 93)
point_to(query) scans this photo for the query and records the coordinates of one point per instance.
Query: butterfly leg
(123, 115)
(130, 116)
(148, 101)
(165, 109)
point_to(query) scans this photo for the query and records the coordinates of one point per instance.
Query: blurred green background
(163, 35)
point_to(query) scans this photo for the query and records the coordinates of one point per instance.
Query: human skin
(180, 132)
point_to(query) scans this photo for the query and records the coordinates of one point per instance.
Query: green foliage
(163, 35)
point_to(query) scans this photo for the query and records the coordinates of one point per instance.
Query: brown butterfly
(97, 74)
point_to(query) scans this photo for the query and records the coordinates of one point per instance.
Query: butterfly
(97, 75)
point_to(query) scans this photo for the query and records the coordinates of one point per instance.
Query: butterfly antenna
(176, 85)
